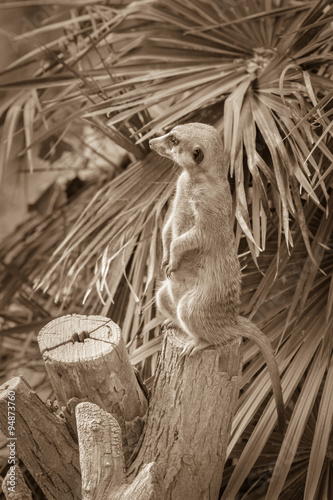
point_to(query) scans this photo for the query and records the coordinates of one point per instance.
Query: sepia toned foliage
(261, 72)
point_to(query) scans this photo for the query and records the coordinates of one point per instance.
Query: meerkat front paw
(168, 272)
(165, 262)
(171, 268)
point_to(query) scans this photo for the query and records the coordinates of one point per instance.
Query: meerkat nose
(151, 143)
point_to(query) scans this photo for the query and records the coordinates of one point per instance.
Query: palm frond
(260, 72)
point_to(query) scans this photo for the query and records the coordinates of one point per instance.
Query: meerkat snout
(162, 145)
(152, 143)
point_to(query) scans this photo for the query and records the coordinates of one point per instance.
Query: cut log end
(86, 358)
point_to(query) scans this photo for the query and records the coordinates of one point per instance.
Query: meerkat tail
(250, 331)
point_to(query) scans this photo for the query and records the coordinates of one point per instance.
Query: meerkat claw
(193, 348)
(164, 264)
(168, 323)
(169, 270)
(187, 350)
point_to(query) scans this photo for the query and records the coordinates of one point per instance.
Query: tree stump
(86, 359)
(184, 445)
(179, 453)
(189, 418)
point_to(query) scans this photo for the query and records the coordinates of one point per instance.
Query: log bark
(189, 418)
(182, 450)
(102, 460)
(86, 359)
(19, 490)
(42, 441)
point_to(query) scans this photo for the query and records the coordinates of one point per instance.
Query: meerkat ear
(198, 155)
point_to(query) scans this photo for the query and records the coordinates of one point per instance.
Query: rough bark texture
(183, 446)
(43, 442)
(101, 454)
(190, 417)
(102, 460)
(86, 358)
(147, 485)
(21, 492)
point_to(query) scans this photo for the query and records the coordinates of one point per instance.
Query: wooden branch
(102, 460)
(101, 454)
(14, 486)
(42, 441)
(86, 358)
(189, 419)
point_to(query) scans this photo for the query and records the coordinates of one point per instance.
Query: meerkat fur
(201, 292)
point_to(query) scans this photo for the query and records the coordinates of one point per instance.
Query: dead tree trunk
(189, 419)
(182, 447)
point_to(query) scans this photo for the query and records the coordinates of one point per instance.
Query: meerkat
(201, 292)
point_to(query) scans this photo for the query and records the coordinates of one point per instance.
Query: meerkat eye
(173, 139)
(198, 155)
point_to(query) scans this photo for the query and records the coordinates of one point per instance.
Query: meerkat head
(195, 147)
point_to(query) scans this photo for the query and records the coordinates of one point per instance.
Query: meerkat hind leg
(166, 306)
(185, 314)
